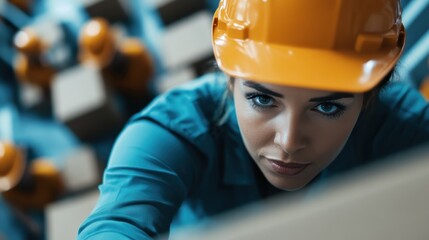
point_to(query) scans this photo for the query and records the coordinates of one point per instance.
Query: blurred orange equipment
(24, 5)
(45, 185)
(12, 166)
(29, 66)
(424, 88)
(126, 64)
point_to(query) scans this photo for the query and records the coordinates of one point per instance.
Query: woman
(299, 101)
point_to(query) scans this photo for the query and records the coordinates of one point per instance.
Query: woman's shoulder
(400, 103)
(403, 97)
(190, 109)
(204, 90)
(400, 119)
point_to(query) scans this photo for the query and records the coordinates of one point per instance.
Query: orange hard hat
(333, 45)
(12, 166)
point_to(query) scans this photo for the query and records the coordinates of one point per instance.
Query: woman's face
(293, 133)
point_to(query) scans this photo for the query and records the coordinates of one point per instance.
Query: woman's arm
(150, 172)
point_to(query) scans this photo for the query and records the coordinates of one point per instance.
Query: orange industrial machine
(30, 186)
(29, 65)
(125, 64)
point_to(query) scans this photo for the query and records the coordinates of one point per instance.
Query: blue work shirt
(182, 158)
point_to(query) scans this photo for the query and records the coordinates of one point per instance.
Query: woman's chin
(288, 184)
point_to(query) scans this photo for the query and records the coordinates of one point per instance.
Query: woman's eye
(263, 100)
(327, 108)
(260, 100)
(330, 109)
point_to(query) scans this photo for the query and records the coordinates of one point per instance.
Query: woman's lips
(287, 168)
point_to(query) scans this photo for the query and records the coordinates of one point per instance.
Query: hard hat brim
(319, 69)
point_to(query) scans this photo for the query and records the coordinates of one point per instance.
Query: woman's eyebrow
(331, 97)
(261, 88)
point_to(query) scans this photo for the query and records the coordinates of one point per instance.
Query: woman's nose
(290, 135)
